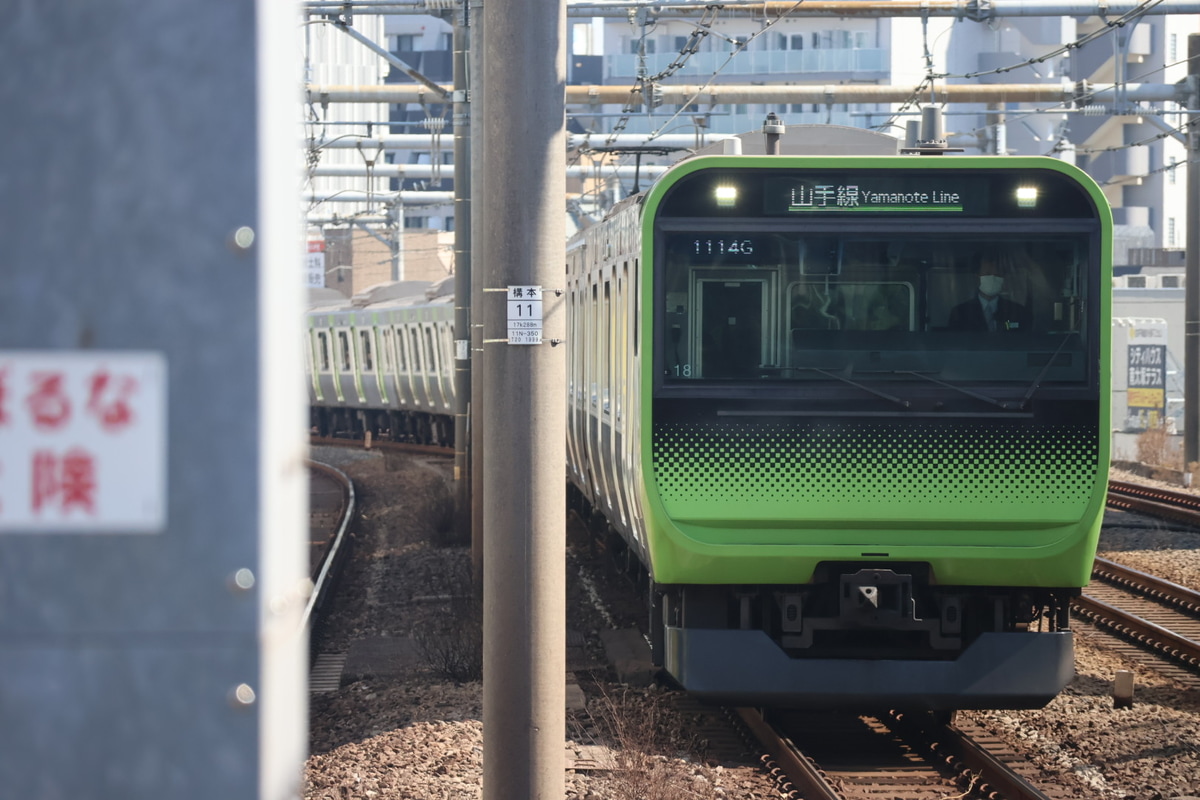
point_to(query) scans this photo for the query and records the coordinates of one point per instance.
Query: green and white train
(849, 413)
(383, 362)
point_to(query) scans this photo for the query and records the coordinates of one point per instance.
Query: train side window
(594, 349)
(368, 359)
(622, 338)
(606, 347)
(344, 358)
(446, 347)
(431, 362)
(401, 361)
(386, 352)
(572, 361)
(323, 351)
(633, 301)
(416, 349)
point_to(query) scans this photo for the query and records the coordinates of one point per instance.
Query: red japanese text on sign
(82, 442)
(64, 482)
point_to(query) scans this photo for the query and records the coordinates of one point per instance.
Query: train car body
(851, 413)
(383, 363)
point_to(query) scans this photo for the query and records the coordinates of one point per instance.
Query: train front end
(874, 431)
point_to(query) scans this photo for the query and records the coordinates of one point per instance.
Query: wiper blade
(845, 378)
(983, 397)
(1037, 382)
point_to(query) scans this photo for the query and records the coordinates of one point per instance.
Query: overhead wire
(1067, 106)
(716, 72)
(1164, 168)
(1139, 143)
(927, 81)
(644, 82)
(1109, 27)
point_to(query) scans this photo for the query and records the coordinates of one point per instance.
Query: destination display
(865, 193)
(827, 191)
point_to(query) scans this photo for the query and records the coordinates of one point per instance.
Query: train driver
(989, 310)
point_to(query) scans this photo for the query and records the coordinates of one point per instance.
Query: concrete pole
(462, 275)
(478, 184)
(524, 439)
(1191, 311)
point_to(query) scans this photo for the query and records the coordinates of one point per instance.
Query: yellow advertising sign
(1146, 398)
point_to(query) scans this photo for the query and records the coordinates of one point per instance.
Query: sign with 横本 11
(524, 314)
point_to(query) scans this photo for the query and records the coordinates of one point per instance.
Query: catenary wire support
(435, 125)
(388, 56)
(370, 161)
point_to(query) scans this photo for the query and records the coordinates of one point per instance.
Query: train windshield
(961, 304)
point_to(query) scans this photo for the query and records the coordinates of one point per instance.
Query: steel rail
(1155, 502)
(945, 746)
(957, 745)
(319, 590)
(1158, 588)
(1182, 499)
(809, 780)
(382, 445)
(1144, 631)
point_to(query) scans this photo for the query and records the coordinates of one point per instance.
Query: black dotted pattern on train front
(853, 462)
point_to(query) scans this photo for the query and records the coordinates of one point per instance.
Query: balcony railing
(754, 62)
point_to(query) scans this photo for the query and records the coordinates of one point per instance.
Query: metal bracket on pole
(391, 59)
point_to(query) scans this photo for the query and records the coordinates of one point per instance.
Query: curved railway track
(331, 507)
(1153, 613)
(382, 445)
(1176, 506)
(836, 757)
(1147, 612)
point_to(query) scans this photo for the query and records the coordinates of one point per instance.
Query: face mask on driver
(990, 285)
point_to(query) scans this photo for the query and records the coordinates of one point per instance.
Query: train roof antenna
(931, 141)
(773, 128)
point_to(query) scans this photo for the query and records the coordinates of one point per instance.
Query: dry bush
(442, 516)
(1156, 448)
(647, 736)
(452, 644)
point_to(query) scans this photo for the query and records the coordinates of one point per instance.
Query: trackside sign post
(524, 314)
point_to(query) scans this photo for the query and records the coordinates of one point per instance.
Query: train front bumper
(744, 667)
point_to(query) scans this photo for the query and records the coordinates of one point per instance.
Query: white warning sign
(524, 314)
(82, 442)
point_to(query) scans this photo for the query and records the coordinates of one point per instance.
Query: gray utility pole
(153, 547)
(1191, 310)
(475, 418)
(462, 273)
(523, 244)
